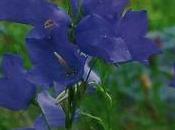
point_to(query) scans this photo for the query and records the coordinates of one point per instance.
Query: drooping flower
(55, 60)
(133, 27)
(39, 13)
(95, 37)
(122, 40)
(53, 113)
(53, 57)
(15, 91)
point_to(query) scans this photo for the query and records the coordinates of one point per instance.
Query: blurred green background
(132, 96)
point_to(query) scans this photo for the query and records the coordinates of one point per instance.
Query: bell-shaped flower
(38, 13)
(96, 37)
(120, 42)
(54, 60)
(15, 91)
(52, 112)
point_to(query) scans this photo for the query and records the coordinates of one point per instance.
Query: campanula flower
(54, 60)
(15, 91)
(121, 41)
(38, 13)
(96, 37)
(53, 113)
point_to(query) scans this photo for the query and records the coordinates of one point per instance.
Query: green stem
(74, 99)
(71, 108)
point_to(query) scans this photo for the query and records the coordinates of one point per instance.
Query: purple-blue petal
(12, 66)
(41, 124)
(33, 12)
(15, 91)
(133, 24)
(108, 9)
(47, 68)
(95, 36)
(53, 113)
(59, 88)
(142, 48)
(133, 28)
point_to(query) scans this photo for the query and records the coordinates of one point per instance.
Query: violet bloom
(15, 91)
(54, 58)
(38, 13)
(52, 114)
(105, 33)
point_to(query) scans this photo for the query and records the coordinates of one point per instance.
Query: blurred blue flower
(39, 13)
(15, 91)
(116, 42)
(52, 112)
(95, 36)
(54, 60)
(53, 57)
(40, 123)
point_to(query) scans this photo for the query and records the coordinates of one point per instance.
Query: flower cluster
(103, 29)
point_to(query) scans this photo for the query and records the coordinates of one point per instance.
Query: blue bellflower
(38, 13)
(95, 36)
(52, 114)
(15, 91)
(133, 27)
(121, 40)
(54, 59)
